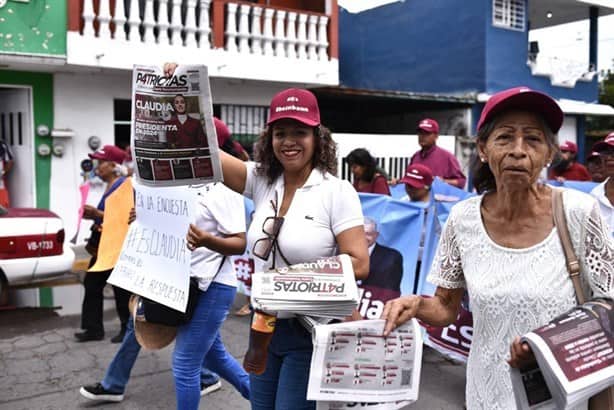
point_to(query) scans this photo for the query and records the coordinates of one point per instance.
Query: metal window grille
(509, 14)
(11, 128)
(245, 122)
(394, 167)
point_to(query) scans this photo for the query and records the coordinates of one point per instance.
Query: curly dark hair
(324, 155)
(362, 157)
(483, 178)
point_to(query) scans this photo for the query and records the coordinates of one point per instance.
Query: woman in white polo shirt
(294, 179)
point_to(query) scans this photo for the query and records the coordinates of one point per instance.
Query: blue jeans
(118, 372)
(198, 342)
(283, 385)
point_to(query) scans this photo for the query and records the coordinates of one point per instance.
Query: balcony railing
(197, 28)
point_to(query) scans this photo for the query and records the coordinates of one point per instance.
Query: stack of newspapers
(575, 359)
(323, 288)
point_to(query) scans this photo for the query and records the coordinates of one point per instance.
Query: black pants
(91, 313)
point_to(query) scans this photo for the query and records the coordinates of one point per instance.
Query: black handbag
(164, 315)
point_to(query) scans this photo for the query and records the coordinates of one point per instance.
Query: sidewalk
(42, 367)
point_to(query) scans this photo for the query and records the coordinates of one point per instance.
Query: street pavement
(42, 367)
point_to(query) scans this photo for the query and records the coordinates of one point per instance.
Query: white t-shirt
(220, 212)
(321, 209)
(605, 206)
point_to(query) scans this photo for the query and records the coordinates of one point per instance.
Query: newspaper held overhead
(355, 362)
(323, 288)
(173, 137)
(575, 358)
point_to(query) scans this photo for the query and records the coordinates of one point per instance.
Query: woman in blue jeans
(218, 231)
(302, 213)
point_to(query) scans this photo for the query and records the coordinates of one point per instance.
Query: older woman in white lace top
(502, 246)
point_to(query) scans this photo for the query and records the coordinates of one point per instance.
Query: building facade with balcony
(406, 60)
(66, 67)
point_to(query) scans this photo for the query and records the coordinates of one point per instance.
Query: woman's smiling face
(293, 144)
(517, 149)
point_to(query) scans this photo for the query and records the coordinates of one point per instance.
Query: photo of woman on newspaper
(183, 130)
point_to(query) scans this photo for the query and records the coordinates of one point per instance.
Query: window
(509, 14)
(121, 122)
(245, 122)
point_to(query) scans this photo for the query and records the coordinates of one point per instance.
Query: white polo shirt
(219, 211)
(605, 206)
(321, 209)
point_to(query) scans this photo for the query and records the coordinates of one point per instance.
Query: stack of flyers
(323, 288)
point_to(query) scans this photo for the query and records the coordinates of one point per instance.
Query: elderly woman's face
(517, 149)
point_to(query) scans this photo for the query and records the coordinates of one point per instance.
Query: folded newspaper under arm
(575, 358)
(355, 362)
(322, 288)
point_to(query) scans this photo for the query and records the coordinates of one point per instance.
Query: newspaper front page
(575, 358)
(173, 137)
(354, 362)
(325, 287)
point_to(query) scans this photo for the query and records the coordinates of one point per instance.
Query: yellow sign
(114, 226)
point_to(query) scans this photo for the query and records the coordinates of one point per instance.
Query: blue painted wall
(420, 46)
(439, 46)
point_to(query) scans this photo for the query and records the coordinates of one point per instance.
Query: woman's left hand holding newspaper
(169, 69)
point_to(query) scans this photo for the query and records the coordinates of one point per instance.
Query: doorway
(17, 130)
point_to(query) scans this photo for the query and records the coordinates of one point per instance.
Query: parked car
(32, 247)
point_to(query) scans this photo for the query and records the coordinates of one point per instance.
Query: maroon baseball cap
(607, 143)
(222, 131)
(523, 98)
(297, 104)
(569, 147)
(109, 153)
(417, 176)
(428, 125)
(593, 154)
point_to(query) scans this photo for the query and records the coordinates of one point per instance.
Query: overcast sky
(570, 41)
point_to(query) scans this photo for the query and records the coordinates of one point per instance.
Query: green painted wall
(42, 101)
(33, 27)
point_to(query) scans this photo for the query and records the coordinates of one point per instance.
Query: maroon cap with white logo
(606, 144)
(428, 125)
(109, 153)
(417, 176)
(569, 147)
(297, 104)
(526, 99)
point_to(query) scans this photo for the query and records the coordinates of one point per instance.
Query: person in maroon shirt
(442, 163)
(567, 168)
(184, 131)
(364, 173)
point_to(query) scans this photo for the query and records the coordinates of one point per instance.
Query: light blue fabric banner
(399, 224)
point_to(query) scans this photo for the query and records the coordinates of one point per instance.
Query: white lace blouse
(513, 291)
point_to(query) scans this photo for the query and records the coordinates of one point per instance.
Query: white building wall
(83, 103)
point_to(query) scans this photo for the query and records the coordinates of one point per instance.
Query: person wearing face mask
(108, 168)
(184, 131)
(302, 213)
(503, 248)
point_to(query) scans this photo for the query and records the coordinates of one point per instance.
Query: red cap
(523, 98)
(297, 104)
(417, 176)
(428, 125)
(569, 146)
(593, 154)
(607, 143)
(109, 153)
(222, 131)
